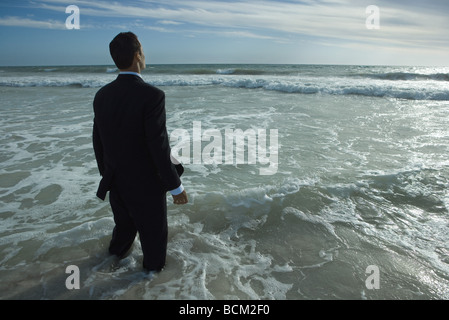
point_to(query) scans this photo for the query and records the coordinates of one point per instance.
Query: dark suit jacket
(130, 139)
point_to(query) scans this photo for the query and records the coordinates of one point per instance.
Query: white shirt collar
(130, 72)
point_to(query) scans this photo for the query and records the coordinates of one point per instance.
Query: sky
(407, 32)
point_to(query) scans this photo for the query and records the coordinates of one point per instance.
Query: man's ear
(137, 56)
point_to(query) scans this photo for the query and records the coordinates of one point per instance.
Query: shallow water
(361, 181)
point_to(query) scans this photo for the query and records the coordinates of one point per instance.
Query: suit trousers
(145, 216)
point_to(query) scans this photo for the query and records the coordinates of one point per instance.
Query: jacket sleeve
(158, 142)
(98, 149)
(107, 175)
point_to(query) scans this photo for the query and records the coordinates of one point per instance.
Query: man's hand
(180, 198)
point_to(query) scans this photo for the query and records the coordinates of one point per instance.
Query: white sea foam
(361, 181)
(111, 70)
(226, 71)
(422, 89)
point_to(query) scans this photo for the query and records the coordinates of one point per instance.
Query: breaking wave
(419, 90)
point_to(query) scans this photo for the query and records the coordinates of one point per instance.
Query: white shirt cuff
(177, 191)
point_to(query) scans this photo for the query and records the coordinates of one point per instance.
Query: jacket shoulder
(105, 89)
(150, 89)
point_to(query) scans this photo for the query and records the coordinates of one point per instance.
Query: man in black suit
(132, 150)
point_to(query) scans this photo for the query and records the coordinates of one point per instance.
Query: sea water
(361, 182)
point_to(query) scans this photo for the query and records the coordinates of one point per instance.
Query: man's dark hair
(122, 49)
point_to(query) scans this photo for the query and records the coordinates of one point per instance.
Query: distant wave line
(279, 84)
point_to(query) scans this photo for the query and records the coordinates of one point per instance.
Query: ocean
(356, 206)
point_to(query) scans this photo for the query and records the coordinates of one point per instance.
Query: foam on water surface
(362, 180)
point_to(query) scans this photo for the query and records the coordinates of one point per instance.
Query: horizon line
(233, 63)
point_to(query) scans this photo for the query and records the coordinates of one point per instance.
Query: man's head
(127, 53)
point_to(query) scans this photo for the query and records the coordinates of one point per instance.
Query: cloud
(29, 23)
(292, 30)
(169, 22)
(159, 29)
(403, 23)
(236, 34)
